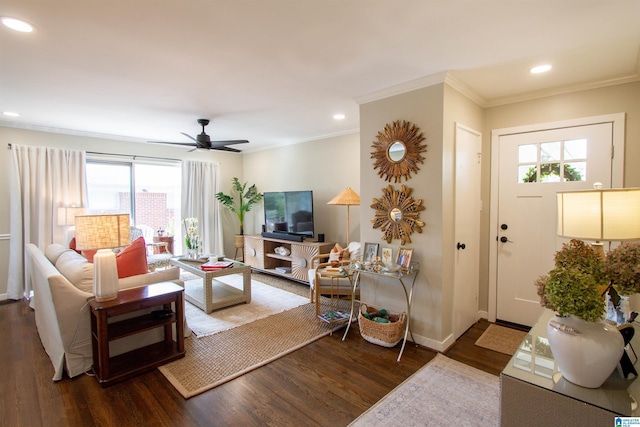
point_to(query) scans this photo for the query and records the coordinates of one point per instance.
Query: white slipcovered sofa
(62, 283)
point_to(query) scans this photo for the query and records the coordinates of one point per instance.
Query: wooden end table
(110, 370)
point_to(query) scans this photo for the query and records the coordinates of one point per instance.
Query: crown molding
(561, 91)
(63, 131)
(401, 88)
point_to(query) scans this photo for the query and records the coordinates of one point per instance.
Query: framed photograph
(370, 252)
(387, 256)
(404, 257)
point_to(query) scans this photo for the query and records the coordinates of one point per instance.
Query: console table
(109, 369)
(534, 393)
(400, 276)
(259, 253)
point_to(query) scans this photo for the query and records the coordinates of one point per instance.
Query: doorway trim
(617, 180)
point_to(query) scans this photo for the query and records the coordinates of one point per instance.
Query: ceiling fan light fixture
(539, 69)
(17, 24)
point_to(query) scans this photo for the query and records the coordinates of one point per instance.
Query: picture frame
(387, 256)
(370, 252)
(403, 259)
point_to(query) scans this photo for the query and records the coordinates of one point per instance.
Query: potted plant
(586, 348)
(240, 202)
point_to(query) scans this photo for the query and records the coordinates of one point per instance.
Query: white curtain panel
(200, 183)
(42, 180)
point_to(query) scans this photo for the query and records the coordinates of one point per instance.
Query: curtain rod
(122, 155)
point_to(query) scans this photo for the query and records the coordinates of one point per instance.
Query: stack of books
(216, 265)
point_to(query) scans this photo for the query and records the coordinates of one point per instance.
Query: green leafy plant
(581, 278)
(622, 267)
(241, 201)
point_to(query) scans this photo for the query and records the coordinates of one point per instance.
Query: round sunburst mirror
(397, 151)
(397, 214)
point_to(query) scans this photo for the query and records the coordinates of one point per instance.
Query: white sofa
(61, 280)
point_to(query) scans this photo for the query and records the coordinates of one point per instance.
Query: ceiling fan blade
(188, 144)
(230, 142)
(189, 136)
(223, 148)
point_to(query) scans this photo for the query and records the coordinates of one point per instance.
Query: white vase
(586, 352)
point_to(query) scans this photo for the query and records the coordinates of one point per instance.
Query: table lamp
(599, 215)
(347, 197)
(103, 233)
(67, 219)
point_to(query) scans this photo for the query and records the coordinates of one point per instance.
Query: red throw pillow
(72, 245)
(132, 260)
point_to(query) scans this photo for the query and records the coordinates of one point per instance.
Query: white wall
(324, 166)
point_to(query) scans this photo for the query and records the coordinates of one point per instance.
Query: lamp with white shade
(599, 215)
(103, 233)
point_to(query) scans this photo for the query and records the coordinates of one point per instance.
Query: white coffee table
(216, 294)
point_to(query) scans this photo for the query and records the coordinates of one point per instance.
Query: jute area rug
(501, 339)
(266, 300)
(442, 393)
(215, 359)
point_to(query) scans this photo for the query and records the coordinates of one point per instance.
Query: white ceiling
(275, 71)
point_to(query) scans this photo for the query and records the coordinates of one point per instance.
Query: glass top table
(401, 276)
(533, 363)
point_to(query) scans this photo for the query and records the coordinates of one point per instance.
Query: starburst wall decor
(397, 151)
(397, 214)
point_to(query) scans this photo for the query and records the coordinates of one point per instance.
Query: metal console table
(401, 276)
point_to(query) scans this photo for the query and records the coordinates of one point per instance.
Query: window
(555, 161)
(148, 191)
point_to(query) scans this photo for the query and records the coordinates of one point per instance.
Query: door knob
(460, 246)
(504, 239)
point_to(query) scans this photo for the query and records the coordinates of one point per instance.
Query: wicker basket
(384, 334)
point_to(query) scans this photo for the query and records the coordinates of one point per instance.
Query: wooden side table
(163, 249)
(110, 370)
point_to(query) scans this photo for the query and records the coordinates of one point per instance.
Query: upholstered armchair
(336, 286)
(154, 260)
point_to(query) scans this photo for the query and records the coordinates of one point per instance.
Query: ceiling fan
(202, 140)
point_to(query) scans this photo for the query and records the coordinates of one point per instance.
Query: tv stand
(259, 253)
(283, 236)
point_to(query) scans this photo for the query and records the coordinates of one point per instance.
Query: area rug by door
(442, 393)
(265, 301)
(502, 339)
(223, 356)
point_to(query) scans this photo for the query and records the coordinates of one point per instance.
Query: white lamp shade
(612, 214)
(102, 231)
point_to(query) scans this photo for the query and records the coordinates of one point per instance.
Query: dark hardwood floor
(326, 383)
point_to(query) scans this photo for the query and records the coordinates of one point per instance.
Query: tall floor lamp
(103, 232)
(347, 197)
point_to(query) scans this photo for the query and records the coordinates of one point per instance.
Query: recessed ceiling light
(17, 24)
(339, 116)
(540, 69)
(10, 114)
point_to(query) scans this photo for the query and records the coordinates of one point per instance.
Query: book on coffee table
(216, 265)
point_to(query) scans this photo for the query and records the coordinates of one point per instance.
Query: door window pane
(575, 171)
(550, 151)
(575, 149)
(550, 172)
(527, 173)
(528, 153)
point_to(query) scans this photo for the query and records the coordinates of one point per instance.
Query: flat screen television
(289, 212)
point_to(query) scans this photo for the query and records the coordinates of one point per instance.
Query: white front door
(467, 228)
(532, 167)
